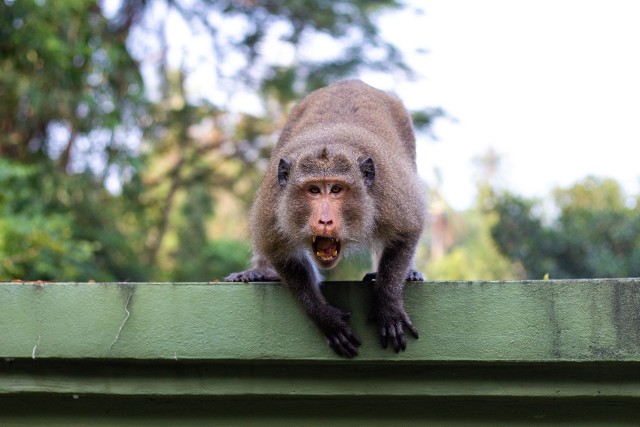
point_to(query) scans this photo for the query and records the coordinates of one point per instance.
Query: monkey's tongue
(325, 248)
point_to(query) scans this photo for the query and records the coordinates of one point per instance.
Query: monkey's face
(325, 199)
(326, 204)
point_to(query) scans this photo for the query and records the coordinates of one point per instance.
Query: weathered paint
(588, 320)
(489, 353)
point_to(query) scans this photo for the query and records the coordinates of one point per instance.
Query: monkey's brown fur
(342, 174)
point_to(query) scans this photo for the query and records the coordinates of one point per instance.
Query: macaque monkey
(343, 174)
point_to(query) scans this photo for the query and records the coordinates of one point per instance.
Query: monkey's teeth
(326, 257)
(326, 248)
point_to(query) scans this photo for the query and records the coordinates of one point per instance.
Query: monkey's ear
(283, 172)
(368, 171)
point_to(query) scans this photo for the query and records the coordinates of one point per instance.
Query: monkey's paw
(415, 276)
(391, 322)
(412, 276)
(333, 324)
(254, 275)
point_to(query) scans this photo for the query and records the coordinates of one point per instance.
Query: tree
(70, 91)
(473, 254)
(71, 99)
(596, 233)
(520, 235)
(35, 242)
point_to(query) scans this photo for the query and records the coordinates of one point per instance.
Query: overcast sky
(551, 86)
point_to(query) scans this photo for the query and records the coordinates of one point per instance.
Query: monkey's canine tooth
(313, 239)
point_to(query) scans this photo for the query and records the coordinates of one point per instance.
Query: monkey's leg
(301, 278)
(388, 305)
(260, 272)
(254, 275)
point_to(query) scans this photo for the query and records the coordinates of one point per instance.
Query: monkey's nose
(325, 221)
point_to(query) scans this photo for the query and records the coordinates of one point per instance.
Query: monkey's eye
(336, 189)
(314, 190)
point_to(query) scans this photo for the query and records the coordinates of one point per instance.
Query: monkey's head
(325, 202)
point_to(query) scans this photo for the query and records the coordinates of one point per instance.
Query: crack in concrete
(126, 309)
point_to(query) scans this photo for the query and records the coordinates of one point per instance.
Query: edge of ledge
(594, 320)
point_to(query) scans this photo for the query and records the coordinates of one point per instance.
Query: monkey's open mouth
(326, 249)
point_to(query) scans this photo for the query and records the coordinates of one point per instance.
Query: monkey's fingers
(254, 275)
(407, 322)
(384, 340)
(344, 345)
(234, 277)
(413, 329)
(401, 341)
(392, 332)
(412, 276)
(415, 276)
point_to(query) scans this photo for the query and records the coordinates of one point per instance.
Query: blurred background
(133, 133)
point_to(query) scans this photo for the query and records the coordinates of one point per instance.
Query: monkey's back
(356, 104)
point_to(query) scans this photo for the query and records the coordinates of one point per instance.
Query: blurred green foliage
(35, 239)
(588, 230)
(63, 70)
(473, 253)
(596, 232)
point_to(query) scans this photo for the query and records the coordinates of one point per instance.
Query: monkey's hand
(254, 275)
(391, 320)
(412, 276)
(333, 323)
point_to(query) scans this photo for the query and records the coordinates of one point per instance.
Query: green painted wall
(489, 353)
(458, 321)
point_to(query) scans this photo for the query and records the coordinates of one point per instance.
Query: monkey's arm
(300, 276)
(388, 307)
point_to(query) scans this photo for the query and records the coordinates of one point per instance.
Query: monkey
(342, 175)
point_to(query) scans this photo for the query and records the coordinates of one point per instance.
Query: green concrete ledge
(489, 352)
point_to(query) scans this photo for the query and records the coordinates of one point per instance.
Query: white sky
(552, 86)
